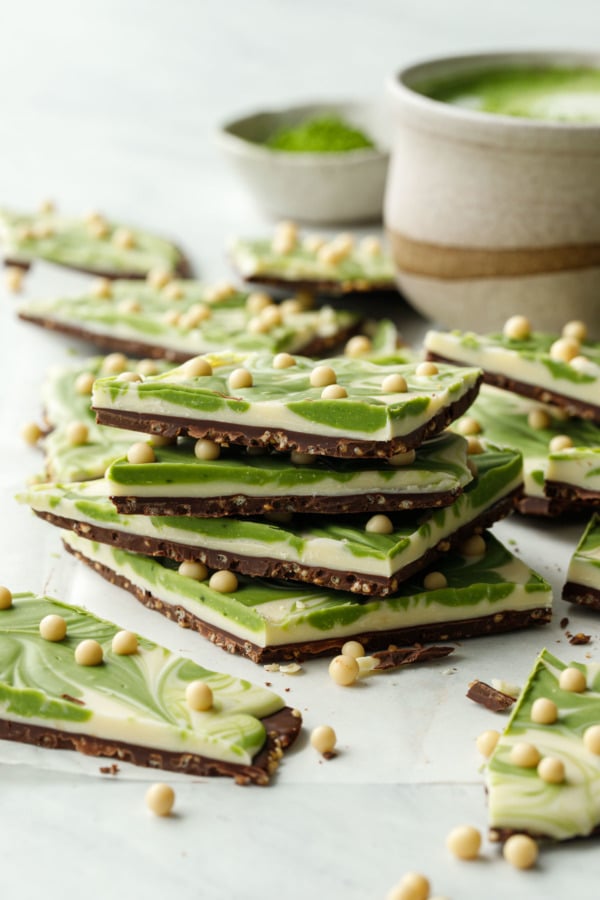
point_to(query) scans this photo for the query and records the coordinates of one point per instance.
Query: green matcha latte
(550, 93)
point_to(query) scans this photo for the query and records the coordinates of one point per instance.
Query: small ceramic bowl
(324, 188)
(491, 215)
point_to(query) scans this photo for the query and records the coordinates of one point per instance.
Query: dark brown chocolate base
(183, 269)
(366, 586)
(501, 835)
(242, 505)
(322, 287)
(582, 595)
(371, 640)
(254, 436)
(282, 729)
(572, 406)
(571, 495)
(318, 346)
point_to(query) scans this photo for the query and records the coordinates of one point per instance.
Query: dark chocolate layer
(323, 286)
(582, 594)
(282, 729)
(254, 436)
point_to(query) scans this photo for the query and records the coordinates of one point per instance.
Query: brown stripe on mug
(455, 263)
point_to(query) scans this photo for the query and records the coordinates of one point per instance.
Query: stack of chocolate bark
(319, 495)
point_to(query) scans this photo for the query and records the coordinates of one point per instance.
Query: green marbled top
(518, 798)
(71, 242)
(440, 466)
(257, 258)
(584, 566)
(285, 398)
(272, 613)
(138, 699)
(137, 311)
(503, 417)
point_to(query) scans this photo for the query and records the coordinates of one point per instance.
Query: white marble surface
(113, 105)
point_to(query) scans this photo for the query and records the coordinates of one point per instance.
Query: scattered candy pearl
(13, 279)
(321, 376)
(257, 301)
(576, 329)
(353, 649)
(343, 670)
(468, 425)
(525, 755)
(520, 851)
(53, 628)
(199, 696)
(394, 384)
(412, 886)
(301, 459)
(474, 445)
(435, 581)
(174, 291)
(283, 361)
(486, 742)
(403, 459)
(84, 383)
(147, 367)
(102, 288)
(473, 546)
(379, 524)
(123, 238)
(140, 453)
(158, 277)
(370, 246)
(359, 345)
(195, 570)
(124, 643)
(160, 799)
(240, 378)
(206, 449)
(77, 433)
(560, 442)
(5, 597)
(517, 328)
(334, 392)
(464, 841)
(572, 679)
(88, 653)
(565, 349)
(323, 739)
(130, 377)
(285, 238)
(31, 433)
(591, 739)
(271, 316)
(544, 711)
(539, 419)
(426, 369)
(551, 770)
(197, 367)
(223, 581)
(114, 363)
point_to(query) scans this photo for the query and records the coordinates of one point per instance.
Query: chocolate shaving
(72, 699)
(564, 622)
(488, 696)
(110, 770)
(580, 638)
(394, 657)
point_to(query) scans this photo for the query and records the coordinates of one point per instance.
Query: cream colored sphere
(435, 581)
(343, 670)
(5, 597)
(380, 524)
(334, 392)
(223, 581)
(53, 627)
(487, 741)
(198, 367)
(539, 419)
(565, 349)
(283, 361)
(359, 345)
(551, 770)
(160, 799)
(426, 369)
(321, 376)
(353, 649)
(240, 378)
(412, 886)
(525, 755)
(576, 329)
(114, 363)
(323, 738)
(141, 453)
(559, 443)
(572, 679)
(468, 425)
(124, 643)
(591, 739)
(206, 449)
(84, 383)
(402, 459)
(77, 433)
(464, 842)
(544, 711)
(520, 851)
(31, 433)
(199, 696)
(191, 569)
(517, 328)
(89, 653)
(394, 384)
(473, 546)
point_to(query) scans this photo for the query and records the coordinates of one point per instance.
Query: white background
(113, 105)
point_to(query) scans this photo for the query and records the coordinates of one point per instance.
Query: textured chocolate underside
(571, 495)
(574, 407)
(242, 505)
(318, 346)
(283, 439)
(582, 594)
(366, 586)
(282, 729)
(497, 623)
(322, 286)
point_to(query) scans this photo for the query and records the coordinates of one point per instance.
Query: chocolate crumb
(488, 696)
(72, 699)
(580, 638)
(330, 754)
(394, 657)
(268, 684)
(564, 622)
(113, 769)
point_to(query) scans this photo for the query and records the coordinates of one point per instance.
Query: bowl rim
(228, 139)
(399, 85)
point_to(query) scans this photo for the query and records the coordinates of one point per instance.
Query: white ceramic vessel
(319, 188)
(491, 215)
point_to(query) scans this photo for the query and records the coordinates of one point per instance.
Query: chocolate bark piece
(284, 409)
(178, 483)
(519, 800)
(488, 696)
(94, 245)
(343, 554)
(132, 708)
(301, 268)
(505, 419)
(583, 575)
(274, 621)
(396, 657)
(140, 319)
(573, 477)
(526, 367)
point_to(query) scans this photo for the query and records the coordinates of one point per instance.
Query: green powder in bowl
(326, 134)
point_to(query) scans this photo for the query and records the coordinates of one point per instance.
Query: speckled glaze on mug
(491, 215)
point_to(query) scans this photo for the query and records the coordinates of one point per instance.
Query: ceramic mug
(490, 215)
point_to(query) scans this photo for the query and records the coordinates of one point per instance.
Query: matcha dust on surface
(323, 134)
